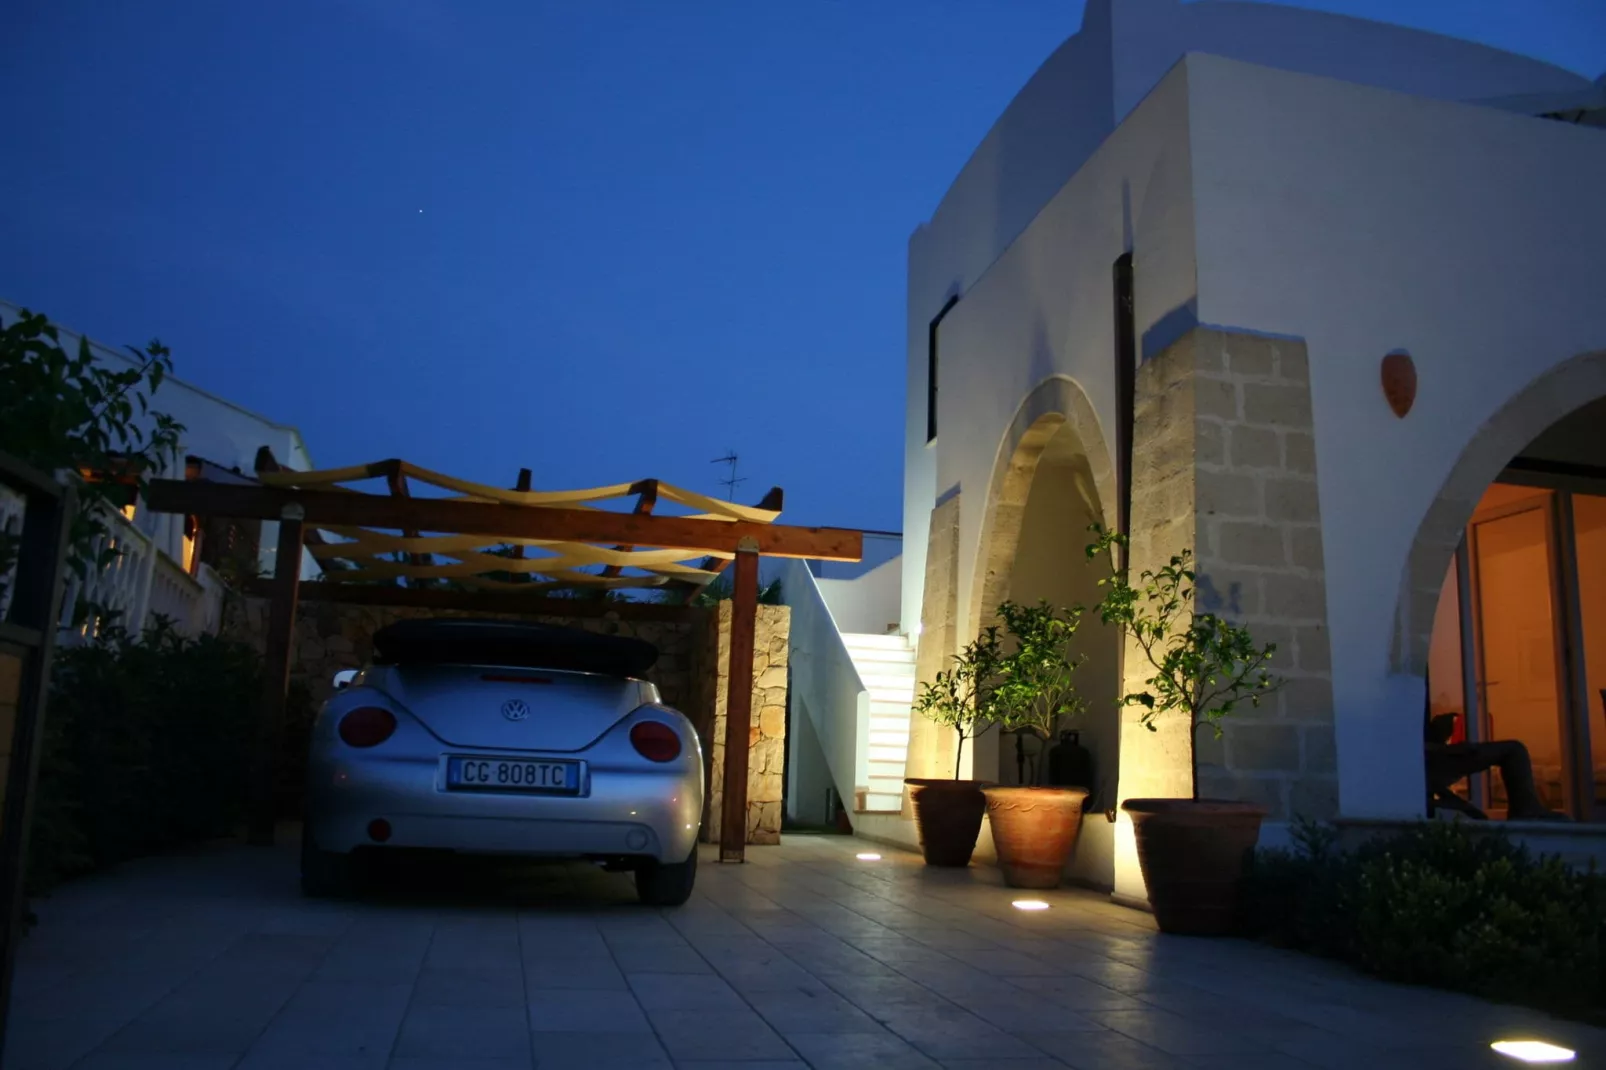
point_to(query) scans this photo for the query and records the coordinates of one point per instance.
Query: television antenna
(730, 482)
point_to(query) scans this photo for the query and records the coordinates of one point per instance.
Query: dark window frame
(931, 368)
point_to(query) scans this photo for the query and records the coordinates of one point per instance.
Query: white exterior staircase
(886, 667)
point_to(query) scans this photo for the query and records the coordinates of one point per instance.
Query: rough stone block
(1251, 543)
(1253, 447)
(1227, 494)
(1262, 747)
(1295, 598)
(1307, 699)
(1270, 792)
(1228, 592)
(1251, 356)
(1276, 405)
(1209, 443)
(1216, 399)
(1305, 547)
(772, 722)
(1321, 752)
(1291, 500)
(1314, 654)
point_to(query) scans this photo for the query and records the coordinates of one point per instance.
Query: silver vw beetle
(504, 738)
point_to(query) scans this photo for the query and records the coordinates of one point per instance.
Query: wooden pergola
(544, 541)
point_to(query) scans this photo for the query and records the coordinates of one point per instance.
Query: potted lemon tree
(1205, 668)
(1035, 826)
(963, 697)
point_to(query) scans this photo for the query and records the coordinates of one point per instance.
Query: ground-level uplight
(1534, 1051)
(867, 856)
(1029, 904)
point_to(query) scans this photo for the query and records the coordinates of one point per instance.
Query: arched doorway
(1051, 485)
(1513, 639)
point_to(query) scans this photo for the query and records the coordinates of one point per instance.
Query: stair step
(888, 753)
(889, 707)
(867, 641)
(888, 771)
(889, 737)
(898, 729)
(880, 675)
(875, 803)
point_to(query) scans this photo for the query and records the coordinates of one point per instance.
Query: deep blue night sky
(603, 240)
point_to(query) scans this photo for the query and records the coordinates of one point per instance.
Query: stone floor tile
(597, 1051)
(856, 1051)
(433, 1062)
(271, 1060)
(348, 1018)
(580, 1010)
(496, 987)
(1106, 1050)
(684, 992)
(146, 1061)
(464, 1032)
(956, 1034)
(727, 1036)
(54, 1044)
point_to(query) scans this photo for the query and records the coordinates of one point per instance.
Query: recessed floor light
(868, 856)
(1029, 904)
(1534, 1051)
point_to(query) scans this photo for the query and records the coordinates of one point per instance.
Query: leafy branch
(965, 696)
(1201, 664)
(1038, 680)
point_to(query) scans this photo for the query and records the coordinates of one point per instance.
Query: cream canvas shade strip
(382, 555)
(550, 498)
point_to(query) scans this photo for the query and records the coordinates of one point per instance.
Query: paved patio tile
(464, 1032)
(801, 957)
(598, 1051)
(578, 1010)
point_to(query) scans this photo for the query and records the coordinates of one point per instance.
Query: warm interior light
(868, 856)
(128, 512)
(1534, 1051)
(1029, 904)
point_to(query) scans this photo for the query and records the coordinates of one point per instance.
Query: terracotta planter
(1034, 830)
(948, 814)
(1193, 854)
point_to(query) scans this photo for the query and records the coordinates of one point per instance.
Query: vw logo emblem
(515, 709)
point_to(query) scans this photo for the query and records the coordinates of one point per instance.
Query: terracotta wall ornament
(1399, 382)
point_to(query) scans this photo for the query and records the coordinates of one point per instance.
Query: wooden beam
(646, 493)
(493, 518)
(276, 678)
(739, 706)
(533, 604)
(523, 484)
(397, 482)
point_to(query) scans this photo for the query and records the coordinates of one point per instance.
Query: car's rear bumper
(652, 814)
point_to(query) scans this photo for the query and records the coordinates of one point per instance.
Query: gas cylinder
(1070, 765)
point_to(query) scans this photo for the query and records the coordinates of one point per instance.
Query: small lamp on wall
(1399, 381)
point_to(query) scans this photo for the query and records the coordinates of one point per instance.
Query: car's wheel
(326, 874)
(667, 884)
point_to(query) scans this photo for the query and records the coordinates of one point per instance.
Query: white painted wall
(1067, 110)
(868, 604)
(1362, 221)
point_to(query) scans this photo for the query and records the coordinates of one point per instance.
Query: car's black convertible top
(465, 641)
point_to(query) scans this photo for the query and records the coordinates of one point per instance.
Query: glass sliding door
(1589, 539)
(1519, 668)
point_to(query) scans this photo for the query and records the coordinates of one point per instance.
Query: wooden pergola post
(280, 644)
(739, 704)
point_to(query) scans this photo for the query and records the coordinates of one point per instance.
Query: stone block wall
(1226, 463)
(932, 749)
(766, 759)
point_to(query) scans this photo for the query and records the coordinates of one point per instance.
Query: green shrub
(1441, 904)
(146, 745)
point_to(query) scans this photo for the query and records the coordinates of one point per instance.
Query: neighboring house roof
(212, 439)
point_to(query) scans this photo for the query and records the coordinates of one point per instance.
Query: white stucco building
(1199, 229)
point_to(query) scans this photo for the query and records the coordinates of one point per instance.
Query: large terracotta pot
(1193, 853)
(948, 815)
(1034, 830)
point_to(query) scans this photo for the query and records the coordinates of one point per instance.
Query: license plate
(467, 773)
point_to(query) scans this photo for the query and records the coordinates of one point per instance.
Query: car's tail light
(367, 726)
(655, 740)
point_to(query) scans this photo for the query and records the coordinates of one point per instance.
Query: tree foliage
(1038, 688)
(1201, 664)
(965, 696)
(67, 413)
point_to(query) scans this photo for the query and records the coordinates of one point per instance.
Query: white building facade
(157, 570)
(1199, 229)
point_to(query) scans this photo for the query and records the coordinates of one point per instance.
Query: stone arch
(1054, 404)
(1557, 392)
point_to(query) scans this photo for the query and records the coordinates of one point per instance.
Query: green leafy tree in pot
(1201, 664)
(1037, 683)
(966, 696)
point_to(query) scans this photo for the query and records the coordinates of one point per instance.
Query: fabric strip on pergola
(482, 562)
